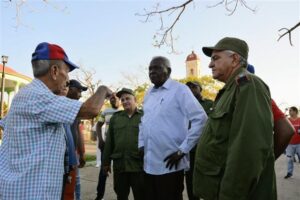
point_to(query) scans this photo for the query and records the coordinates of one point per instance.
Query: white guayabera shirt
(164, 125)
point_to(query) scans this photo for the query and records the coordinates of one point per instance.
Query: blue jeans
(77, 187)
(291, 150)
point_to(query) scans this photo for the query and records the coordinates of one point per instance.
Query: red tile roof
(192, 56)
(10, 71)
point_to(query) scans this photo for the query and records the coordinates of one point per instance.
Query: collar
(167, 85)
(41, 84)
(231, 79)
(135, 111)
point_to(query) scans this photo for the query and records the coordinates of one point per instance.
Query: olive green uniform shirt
(234, 158)
(121, 144)
(207, 105)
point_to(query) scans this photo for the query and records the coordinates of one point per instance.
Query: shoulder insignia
(242, 78)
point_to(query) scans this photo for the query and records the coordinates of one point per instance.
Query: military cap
(123, 91)
(193, 84)
(229, 43)
(76, 84)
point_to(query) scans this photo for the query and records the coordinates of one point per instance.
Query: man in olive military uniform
(122, 147)
(207, 104)
(234, 157)
(196, 89)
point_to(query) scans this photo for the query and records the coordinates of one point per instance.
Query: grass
(89, 157)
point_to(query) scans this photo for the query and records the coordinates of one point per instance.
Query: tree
(20, 5)
(140, 93)
(289, 32)
(210, 86)
(136, 80)
(86, 78)
(164, 35)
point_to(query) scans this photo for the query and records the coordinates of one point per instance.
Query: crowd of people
(224, 149)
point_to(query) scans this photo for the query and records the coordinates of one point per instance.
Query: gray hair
(243, 61)
(163, 61)
(41, 67)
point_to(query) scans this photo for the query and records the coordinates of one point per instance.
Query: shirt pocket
(119, 129)
(136, 156)
(118, 161)
(134, 135)
(116, 156)
(207, 180)
(220, 124)
(119, 125)
(119, 138)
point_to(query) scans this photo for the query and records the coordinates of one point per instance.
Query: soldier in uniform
(196, 89)
(104, 119)
(122, 147)
(234, 157)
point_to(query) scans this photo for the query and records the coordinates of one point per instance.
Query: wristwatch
(180, 153)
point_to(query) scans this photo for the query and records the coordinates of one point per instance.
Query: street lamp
(4, 61)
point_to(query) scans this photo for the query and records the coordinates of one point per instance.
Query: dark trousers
(189, 178)
(65, 177)
(164, 187)
(101, 179)
(123, 181)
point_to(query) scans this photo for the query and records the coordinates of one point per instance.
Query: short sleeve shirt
(32, 152)
(105, 118)
(277, 113)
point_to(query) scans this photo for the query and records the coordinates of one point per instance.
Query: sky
(108, 37)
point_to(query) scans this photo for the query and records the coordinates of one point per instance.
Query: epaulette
(242, 78)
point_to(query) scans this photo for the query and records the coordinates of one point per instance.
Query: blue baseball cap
(251, 69)
(46, 51)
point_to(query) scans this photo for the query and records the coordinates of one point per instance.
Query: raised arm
(91, 107)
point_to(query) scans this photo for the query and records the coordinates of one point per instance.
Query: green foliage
(5, 109)
(210, 86)
(140, 93)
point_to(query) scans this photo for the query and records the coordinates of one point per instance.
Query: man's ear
(169, 70)
(54, 71)
(235, 60)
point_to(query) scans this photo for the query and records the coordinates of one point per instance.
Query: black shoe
(288, 175)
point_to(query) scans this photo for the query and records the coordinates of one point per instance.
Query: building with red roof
(13, 82)
(192, 65)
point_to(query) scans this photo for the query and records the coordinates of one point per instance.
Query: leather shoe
(288, 175)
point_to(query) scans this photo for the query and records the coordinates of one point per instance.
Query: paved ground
(288, 189)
